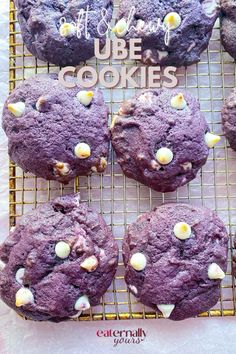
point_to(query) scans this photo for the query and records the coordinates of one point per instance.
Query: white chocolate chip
(41, 105)
(138, 261)
(62, 168)
(172, 20)
(85, 97)
(19, 275)
(133, 289)
(182, 230)
(62, 249)
(149, 57)
(140, 156)
(120, 28)
(211, 139)
(103, 163)
(164, 156)
(90, 264)
(17, 109)
(146, 97)
(178, 102)
(155, 165)
(127, 108)
(187, 166)
(162, 54)
(2, 265)
(82, 303)
(113, 122)
(166, 309)
(67, 29)
(23, 297)
(215, 272)
(82, 151)
(94, 169)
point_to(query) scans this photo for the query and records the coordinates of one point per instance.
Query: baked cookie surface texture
(175, 258)
(62, 32)
(173, 32)
(55, 132)
(161, 138)
(59, 261)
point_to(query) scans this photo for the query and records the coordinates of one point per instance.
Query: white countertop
(202, 335)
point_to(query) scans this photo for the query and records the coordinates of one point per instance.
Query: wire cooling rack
(119, 199)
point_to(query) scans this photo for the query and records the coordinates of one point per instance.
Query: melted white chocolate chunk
(182, 230)
(23, 297)
(146, 97)
(39, 103)
(82, 303)
(120, 28)
(178, 102)
(42, 104)
(62, 168)
(166, 309)
(172, 20)
(162, 54)
(17, 109)
(138, 261)
(133, 289)
(2, 265)
(103, 163)
(67, 29)
(164, 156)
(62, 249)
(19, 275)
(187, 166)
(149, 56)
(85, 97)
(215, 272)
(211, 139)
(90, 264)
(82, 151)
(113, 122)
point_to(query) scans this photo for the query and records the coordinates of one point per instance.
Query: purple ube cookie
(161, 138)
(49, 39)
(229, 118)
(228, 26)
(175, 258)
(190, 24)
(55, 132)
(234, 258)
(59, 260)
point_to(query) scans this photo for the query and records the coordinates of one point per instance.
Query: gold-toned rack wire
(119, 199)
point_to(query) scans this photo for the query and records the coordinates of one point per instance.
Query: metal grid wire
(119, 199)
